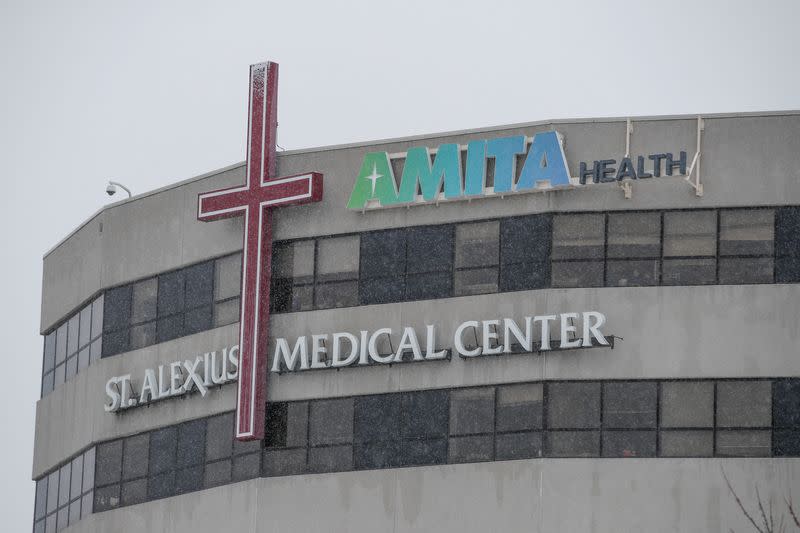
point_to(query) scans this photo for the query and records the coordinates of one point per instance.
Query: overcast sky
(149, 93)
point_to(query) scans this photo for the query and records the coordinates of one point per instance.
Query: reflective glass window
(690, 233)
(687, 404)
(338, 258)
(228, 276)
(634, 235)
(477, 244)
(472, 411)
(746, 231)
(573, 405)
(578, 236)
(628, 405)
(744, 404)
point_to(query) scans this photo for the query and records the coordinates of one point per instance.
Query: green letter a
(375, 180)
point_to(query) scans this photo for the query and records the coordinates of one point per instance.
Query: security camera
(111, 189)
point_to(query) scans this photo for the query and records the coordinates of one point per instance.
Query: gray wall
(592, 495)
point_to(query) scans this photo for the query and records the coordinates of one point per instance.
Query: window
(746, 232)
(227, 288)
(690, 234)
(477, 258)
(331, 422)
(383, 266)
(525, 252)
(578, 250)
(621, 443)
(629, 405)
(787, 245)
(337, 272)
(687, 443)
(573, 405)
(519, 407)
(685, 405)
(634, 249)
(743, 404)
(472, 411)
(65, 496)
(429, 262)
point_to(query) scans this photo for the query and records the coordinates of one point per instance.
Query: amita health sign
(455, 172)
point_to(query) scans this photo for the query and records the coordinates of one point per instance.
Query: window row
(65, 495)
(690, 247)
(687, 418)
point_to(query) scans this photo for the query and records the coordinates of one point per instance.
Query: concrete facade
(721, 331)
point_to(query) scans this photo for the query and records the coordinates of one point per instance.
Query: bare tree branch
(791, 510)
(740, 504)
(763, 514)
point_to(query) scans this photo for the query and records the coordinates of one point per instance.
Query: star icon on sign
(374, 177)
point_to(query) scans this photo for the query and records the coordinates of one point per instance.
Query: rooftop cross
(254, 201)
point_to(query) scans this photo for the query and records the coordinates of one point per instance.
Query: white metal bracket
(626, 186)
(694, 168)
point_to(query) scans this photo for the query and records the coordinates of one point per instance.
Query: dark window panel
(171, 287)
(96, 350)
(247, 446)
(337, 258)
(74, 512)
(429, 286)
(50, 523)
(690, 233)
(578, 236)
(330, 459)
(577, 274)
(71, 367)
(519, 407)
(423, 452)
(787, 269)
(40, 508)
(47, 383)
(293, 260)
(136, 451)
(97, 316)
(199, 284)
(217, 473)
(286, 297)
(573, 405)
(72, 334)
(199, 319)
(786, 443)
(219, 437)
(472, 411)
(786, 401)
(226, 312)
(144, 300)
(117, 308)
(85, 326)
(424, 414)
(573, 443)
(744, 404)
(38, 527)
(381, 290)
(688, 271)
(52, 491)
(63, 518)
(58, 376)
(142, 335)
(87, 503)
(134, 492)
(787, 228)
(64, 483)
(49, 352)
(744, 443)
(108, 465)
(161, 485)
(475, 281)
(191, 443)
(297, 424)
(632, 273)
(518, 445)
(189, 479)
(470, 449)
(61, 343)
(284, 462)
(169, 328)
(336, 294)
(275, 425)
(88, 469)
(634, 235)
(331, 421)
(378, 454)
(687, 404)
(430, 249)
(629, 443)
(477, 244)
(116, 342)
(524, 276)
(163, 444)
(106, 498)
(687, 443)
(628, 405)
(745, 270)
(83, 359)
(746, 231)
(383, 253)
(525, 239)
(228, 276)
(376, 418)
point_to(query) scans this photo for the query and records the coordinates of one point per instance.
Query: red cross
(254, 201)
